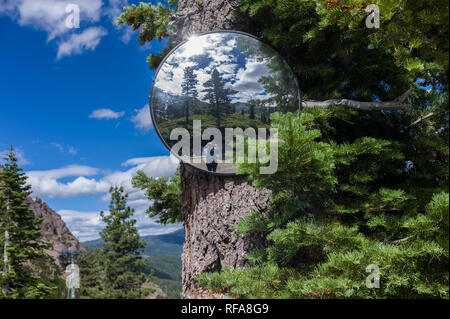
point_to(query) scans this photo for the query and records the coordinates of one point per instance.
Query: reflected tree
(218, 96)
(188, 88)
(281, 85)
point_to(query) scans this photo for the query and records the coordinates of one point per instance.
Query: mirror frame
(155, 76)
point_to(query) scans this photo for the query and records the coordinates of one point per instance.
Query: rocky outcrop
(54, 230)
(156, 293)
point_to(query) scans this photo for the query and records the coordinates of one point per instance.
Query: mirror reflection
(217, 81)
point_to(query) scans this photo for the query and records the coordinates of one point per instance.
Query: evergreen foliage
(188, 88)
(165, 194)
(325, 228)
(19, 237)
(91, 274)
(218, 96)
(153, 22)
(120, 256)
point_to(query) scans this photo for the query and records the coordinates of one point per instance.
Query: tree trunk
(195, 16)
(5, 253)
(213, 204)
(6, 266)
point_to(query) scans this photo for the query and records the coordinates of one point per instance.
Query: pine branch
(397, 104)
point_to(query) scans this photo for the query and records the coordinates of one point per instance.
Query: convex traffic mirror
(215, 90)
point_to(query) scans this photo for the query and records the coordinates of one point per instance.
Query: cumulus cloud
(50, 16)
(86, 225)
(83, 225)
(47, 183)
(106, 114)
(203, 53)
(142, 119)
(247, 83)
(77, 43)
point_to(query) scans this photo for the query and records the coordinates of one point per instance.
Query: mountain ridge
(169, 244)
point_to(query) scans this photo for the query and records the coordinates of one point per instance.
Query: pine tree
(218, 96)
(189, 88)
(120, 256)
(90, 274)
(252, 111)
(19, 236)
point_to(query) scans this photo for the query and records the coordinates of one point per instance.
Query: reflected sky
(226, 52)
(221, 80)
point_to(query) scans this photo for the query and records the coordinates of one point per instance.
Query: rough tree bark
(195, 16)
(213, 204)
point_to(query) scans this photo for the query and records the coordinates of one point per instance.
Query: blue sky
(74, 104)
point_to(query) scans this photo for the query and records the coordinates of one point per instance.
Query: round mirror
(217, 89)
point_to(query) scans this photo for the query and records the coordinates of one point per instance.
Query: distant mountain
(164, 252)
(165, 100)
(157, 245)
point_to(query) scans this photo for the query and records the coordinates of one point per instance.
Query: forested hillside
(164, 262)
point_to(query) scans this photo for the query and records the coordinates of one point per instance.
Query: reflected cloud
(225, 80)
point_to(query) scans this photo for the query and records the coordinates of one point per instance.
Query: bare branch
(404, 96)
(399, 241)
(424, 118)
(397, 104)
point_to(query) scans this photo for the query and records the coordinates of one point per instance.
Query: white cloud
(77, 43)
(50, 16)
(87, 225)
(21, 160)
(215, 49)
(142, 119)
(70, 149)
(47, 183)
(68, 171)
(83, 225)
(247, 83)
(105, 114)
